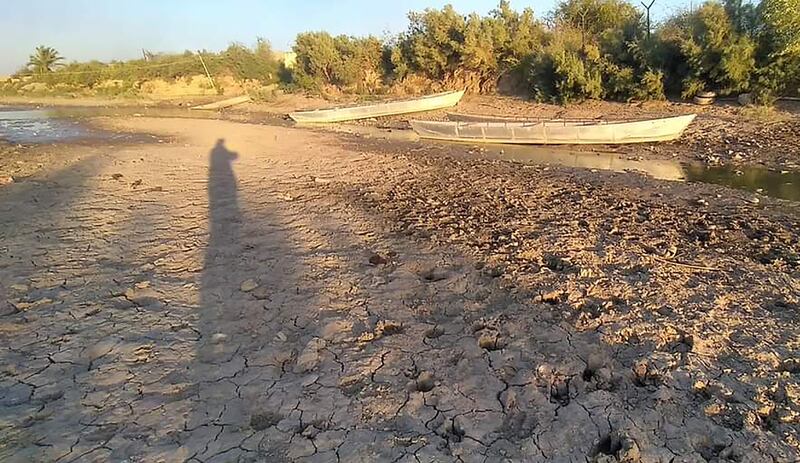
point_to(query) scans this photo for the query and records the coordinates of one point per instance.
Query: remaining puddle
(784, 184)
(64, 124)
(36, 126)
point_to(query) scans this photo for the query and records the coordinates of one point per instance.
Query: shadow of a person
(222, 190)
(224, 245)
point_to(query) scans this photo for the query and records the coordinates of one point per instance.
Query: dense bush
(779, 49)
(701, 50)
(351, 63)
(596, 49)
(566, 69)
(472, 52)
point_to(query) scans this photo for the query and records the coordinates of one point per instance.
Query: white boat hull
(556, 132)
(427, 103)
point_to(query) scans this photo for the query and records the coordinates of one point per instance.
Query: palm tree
(44, 59)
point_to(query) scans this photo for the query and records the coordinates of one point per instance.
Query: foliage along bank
(584, 49)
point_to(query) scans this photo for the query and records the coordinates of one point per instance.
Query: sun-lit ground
(248, 293)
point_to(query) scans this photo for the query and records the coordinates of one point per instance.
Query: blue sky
(119, 29)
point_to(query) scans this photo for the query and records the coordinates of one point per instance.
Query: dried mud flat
(285, 295)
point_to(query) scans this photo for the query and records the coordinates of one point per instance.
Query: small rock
(491, 341)
(309, 380)
(425, 382)
(143, 296)
(116, 176)
(261, 293)
(791, 365)
(745, 99)
(309, 358)
(7, 180)
(389, 327)
(552, 297)
(377, 259)
(434, 332)
(260, 421)
(433, 274)
(218, 338)
(248, 285)
(559, 391)
(310, 432)
(121, 303)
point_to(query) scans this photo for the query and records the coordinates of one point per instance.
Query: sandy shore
(253, 293)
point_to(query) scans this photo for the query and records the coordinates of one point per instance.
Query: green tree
(779, 49)
(44, 60)
(474, 51)
(781, 20)
(432, 45)
(743, 16)
(702, 50)
(348, 62)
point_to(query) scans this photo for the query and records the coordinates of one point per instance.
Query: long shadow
(224, 243)
(223, 208)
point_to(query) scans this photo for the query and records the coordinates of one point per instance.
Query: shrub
(779, 49)
(474, 51)
(347, 62)
(702, 50)
(566, 70)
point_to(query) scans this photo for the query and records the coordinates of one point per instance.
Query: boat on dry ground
(556, 132)
(224, 103)
(391, 108)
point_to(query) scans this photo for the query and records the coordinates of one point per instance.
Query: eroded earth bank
(249, 293)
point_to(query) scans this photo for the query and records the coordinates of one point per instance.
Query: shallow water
(37, 126)
(784, 185)
(49, 125)
(24, 125)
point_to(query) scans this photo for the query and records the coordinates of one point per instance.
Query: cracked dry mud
(284, 295)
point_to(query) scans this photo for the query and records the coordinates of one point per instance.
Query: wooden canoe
(564, 132)
(224, 103)
(426, 103)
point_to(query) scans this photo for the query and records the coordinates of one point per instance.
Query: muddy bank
(262, 293)
(724, 133)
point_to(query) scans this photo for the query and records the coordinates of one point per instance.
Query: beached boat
(556, 132)
(426, 103)
(224, 103)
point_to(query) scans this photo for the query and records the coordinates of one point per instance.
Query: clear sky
(119, 29)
